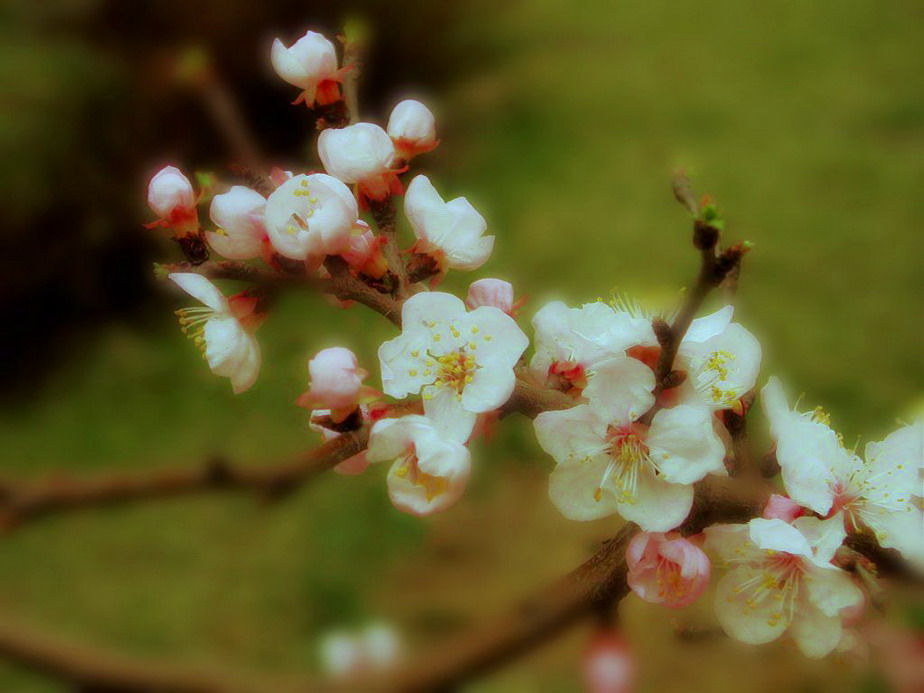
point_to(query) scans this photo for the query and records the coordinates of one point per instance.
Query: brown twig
(737, 426)
(384, 214)
(598, 581)
(24, 501)
(341, 283)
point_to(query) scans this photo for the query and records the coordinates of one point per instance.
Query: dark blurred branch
(23, 501)
(341, 283)
(598, 582)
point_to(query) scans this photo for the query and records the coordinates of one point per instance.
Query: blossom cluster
(645, 422)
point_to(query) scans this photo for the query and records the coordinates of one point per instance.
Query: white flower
(430, 466)
(609, 464)
(571, 341)
(412, 128)
(721, 358)
(362, 154)
(217, 328)
(462, 362)
(310, 217)
(310, 63)
(452, 231)
(172, 198)
(375, 648)
(880, 493)
(781, 578)
(169, 190)
(238, 214)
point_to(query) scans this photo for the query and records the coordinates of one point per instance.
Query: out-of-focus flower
(374, 649)
(363, 154)
(336, 383)
(311, 216)
(412, 128)
(364, 254)
(667, 569)
(492, 292)
(451, 232)
(608, 463)
(311, 65)
(172, 199)
(238, 214)
(780, 579)
(607, 665)
(822, 475)
(430, 465)
(462, 362)
(782, 508)
(222, 329)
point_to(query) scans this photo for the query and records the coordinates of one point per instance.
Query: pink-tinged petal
(200, 289)
(169, 190)
(336, 378)
(490, 292)
(413, 122)
(607, 666)
(782, 508)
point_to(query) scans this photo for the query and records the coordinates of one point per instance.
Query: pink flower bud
(667, 569)
(491, 292)
(362, 154)
(336, 378)
(172, 199)
(238, 214)
(412, 128)
(782, 508)
(607, 665)
(365, 253)
(310, 64)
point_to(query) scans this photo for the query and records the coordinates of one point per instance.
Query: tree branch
(24, 501)
(599, 581)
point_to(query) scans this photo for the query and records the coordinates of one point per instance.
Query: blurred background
(562, 122)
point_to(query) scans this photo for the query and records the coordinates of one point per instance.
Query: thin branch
(384, 214)
(341, 283)
(99, 670)
(598, 581)
(25, 501)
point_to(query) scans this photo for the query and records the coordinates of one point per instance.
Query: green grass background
(804, 120)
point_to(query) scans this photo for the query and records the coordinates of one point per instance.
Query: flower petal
(200, 289)
(684, 445)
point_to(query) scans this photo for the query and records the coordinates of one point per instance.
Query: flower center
(433, 486)
(629, 455)
(307, 203)
(568, 376)
(456, 370)
(671, 585)
(712, 378)
(192, 323)
(778, 576)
